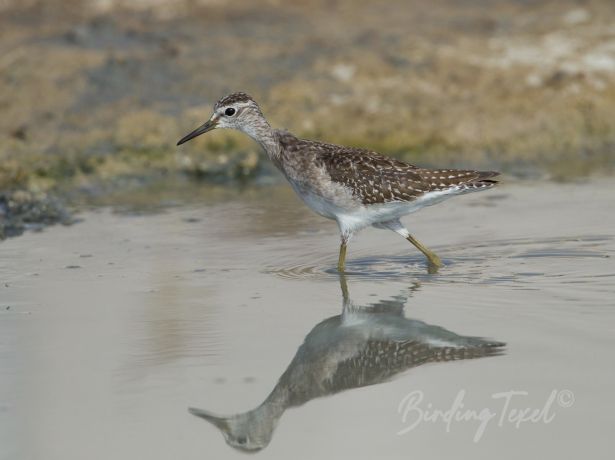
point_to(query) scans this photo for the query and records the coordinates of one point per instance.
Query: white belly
(352, 216)
(363, 216)
(331, 203)
(321, 205)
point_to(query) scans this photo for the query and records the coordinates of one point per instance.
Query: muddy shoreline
(94, 95)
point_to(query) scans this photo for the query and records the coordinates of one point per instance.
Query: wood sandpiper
(355, 187)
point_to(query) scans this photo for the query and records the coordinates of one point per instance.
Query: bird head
(235, 111)
(249, 432)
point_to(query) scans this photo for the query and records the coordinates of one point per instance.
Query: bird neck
(260, 130)
(272, 409)
(264, 418)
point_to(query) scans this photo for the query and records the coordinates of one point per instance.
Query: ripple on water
(367, 267)
(515, 262)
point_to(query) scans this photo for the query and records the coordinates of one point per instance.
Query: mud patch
(22, 210)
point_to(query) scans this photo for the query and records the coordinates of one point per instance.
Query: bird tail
(475, 348)
(458, 180)
(483, 181)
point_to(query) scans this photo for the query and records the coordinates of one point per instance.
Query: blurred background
(195, 274)
(95, 93)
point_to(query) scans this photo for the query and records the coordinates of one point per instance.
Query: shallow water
(111, 328)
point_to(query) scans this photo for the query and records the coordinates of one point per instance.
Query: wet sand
(111, 328)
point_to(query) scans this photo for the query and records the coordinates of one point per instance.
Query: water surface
(111, 328)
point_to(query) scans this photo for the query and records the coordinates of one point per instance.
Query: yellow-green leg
(344, 287)
(341, 262)
(433, 260)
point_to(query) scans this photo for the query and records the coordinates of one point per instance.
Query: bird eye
(229, 112)
(241, 439)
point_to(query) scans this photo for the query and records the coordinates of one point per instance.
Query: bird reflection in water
(364, 345)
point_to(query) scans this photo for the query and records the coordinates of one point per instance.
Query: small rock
(576, 16)
(20, 133)
(343, 72)
(534, 80)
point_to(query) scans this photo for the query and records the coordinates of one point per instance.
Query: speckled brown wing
(375, 178)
